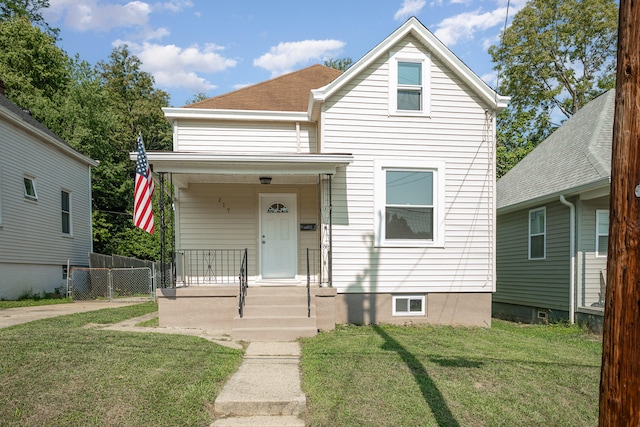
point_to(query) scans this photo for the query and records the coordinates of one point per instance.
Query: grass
(30, 302)
(508, 375)
(151, 323)
(57, 372)
(28, 298)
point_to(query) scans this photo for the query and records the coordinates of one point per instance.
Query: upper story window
(409, 203)
(30, 188)
(538, 233)
(602, 232)
(65, 198)
(409, 79)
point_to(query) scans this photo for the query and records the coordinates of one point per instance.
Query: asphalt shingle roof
(576, 154)
(289, 92)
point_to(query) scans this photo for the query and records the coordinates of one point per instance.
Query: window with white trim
(409, 81)
(30, 188)
(537, 233)
(65, 205)
(408, 305)
(602, 232)
(409, 208)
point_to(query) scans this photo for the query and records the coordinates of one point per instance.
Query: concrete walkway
(16, 316)
(265, 391)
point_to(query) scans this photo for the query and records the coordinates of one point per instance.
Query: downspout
(572, 274)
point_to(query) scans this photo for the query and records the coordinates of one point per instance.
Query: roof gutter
(602, 182)
(572, 253)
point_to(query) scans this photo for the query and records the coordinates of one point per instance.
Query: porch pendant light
(265, 180)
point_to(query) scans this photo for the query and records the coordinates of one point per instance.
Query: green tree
(31, 9)
(341, 64)
(34, 70)
(197, 97)
(135, 106)
(555, 57)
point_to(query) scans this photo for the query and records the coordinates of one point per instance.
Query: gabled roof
(415, 28)
(290, 96)
(23, 118)
(289, 92)
(577, 156)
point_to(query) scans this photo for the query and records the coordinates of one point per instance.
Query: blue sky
(216, 46)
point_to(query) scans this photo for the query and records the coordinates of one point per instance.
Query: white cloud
(173, 66)
(464, 26)
(409, 8)
(174, 6)
(93, 15)
(490, 78)
(241, 85)
(286, 56)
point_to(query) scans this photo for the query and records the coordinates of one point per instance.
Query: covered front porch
(253, 221)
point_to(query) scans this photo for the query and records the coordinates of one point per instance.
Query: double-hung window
(409, 79)
(65, 198)
(409, 203)
(537, 233)
(602, 232)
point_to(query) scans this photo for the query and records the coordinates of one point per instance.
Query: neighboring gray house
(45, 205)
(553, 222)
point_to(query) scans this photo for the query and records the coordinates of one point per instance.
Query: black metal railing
(208, 266)
(313, 265)
(244, 283)
(308, 285)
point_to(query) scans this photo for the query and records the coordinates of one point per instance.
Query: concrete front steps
(275, 313)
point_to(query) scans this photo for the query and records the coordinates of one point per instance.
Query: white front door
(278, 236)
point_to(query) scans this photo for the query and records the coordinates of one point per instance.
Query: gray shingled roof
(577, 154)
(26, 117)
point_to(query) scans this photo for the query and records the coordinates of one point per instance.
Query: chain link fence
(112, 284)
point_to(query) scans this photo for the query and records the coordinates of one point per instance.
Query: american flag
(142, 210)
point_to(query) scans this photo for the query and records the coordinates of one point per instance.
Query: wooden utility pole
(620, 375)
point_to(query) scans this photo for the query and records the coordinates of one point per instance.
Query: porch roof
(244, 168)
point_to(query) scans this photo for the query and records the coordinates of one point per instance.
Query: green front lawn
(58, 372)
(508, 375)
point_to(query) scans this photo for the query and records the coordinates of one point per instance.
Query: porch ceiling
(245, 168)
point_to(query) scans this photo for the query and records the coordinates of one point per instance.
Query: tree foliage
(556, 56)
(99, 110)
(31, 9)
(35, 71)
(341, 64)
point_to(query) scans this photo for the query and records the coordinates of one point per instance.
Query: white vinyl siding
(226, 216)
(537, 234)
(31, 232)
(357, 120)
(602, 232)
(243, 137)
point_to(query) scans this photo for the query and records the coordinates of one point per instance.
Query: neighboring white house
(386, 172)
(553, 223)
(45, 205)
